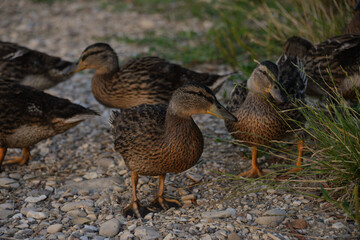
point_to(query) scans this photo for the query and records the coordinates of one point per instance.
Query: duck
(33, 68)
(163, 138)
(339, 54)
(353, 26)
(266, 109)
(28, 115)
(143, 80)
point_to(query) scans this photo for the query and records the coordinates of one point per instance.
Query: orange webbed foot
(25, 157)
(135, 209)
(165, 203)
(252, 173)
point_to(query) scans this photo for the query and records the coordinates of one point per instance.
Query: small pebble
(54, 228)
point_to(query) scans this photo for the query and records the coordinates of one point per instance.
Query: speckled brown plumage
(28, 116)
(263, 110)
(146, 80)
(339, 54)
(32, 68)
(160, 139)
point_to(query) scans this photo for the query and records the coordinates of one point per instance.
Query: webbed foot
(135, 209)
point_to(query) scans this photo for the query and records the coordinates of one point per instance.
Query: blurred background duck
(31, 67)
(149, 80)
(332, 63)
(28, 116)
(159, 139)
(266, 109)
(354, 25)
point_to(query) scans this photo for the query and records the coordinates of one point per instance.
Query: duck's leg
(2, 155)
(25, 156)
(160, 201)
(300, 147)
(255, 170)
(135, 208)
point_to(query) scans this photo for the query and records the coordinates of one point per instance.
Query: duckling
(149, 80)
(28, 115)
(263, 110)
(33, 68)
(341, 54)
(354, 25)
(158, 139)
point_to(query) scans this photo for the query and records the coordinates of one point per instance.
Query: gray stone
(338, 225)
(110, 228)
(146, 233)
(25, 210)
(93, 185)
(80, 220)
(217, 214)
(35, 199)
(7, 206)
(126, 235)
(4, 214)
(54, 228)
(8, 183)
(91, 175)
(76, 205)
(271, 217)
(36, 215)
(233, 236)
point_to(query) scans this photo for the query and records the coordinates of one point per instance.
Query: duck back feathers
(32, 68)
(28, 115)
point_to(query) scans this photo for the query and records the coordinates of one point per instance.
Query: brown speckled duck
(32, 68)
(159, 139)
(149, 80)
(264, 111)
(340, 53)
(28, 116)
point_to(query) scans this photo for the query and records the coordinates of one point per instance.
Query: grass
(189, 48)
(258, 29)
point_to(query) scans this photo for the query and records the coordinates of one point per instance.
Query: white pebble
(35, 199)
(36, 215)
(54, 228)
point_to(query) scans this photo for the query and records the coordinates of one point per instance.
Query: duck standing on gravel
(263, 110)
(331, 66)
(28, 116)
(33, 68)
(159, 139)
(149, 80)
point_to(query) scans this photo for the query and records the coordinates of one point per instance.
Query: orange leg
(300, 146)
(135, 208)
(255, 170)
(25, 156)
(160, 201)
(2, 155)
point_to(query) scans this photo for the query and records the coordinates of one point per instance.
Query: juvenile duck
(263, 110)
(341, 54)
(28, 116)
(32, 68)
(159, 139)
(149, 80)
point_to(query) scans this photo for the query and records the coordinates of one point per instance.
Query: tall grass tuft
(258, 29)
(335, 148)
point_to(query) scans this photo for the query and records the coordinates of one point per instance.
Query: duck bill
(219, 111)
(79, 67)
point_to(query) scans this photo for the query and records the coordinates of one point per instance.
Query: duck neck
(174, 121)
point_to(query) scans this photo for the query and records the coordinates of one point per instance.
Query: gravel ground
(75, 187)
